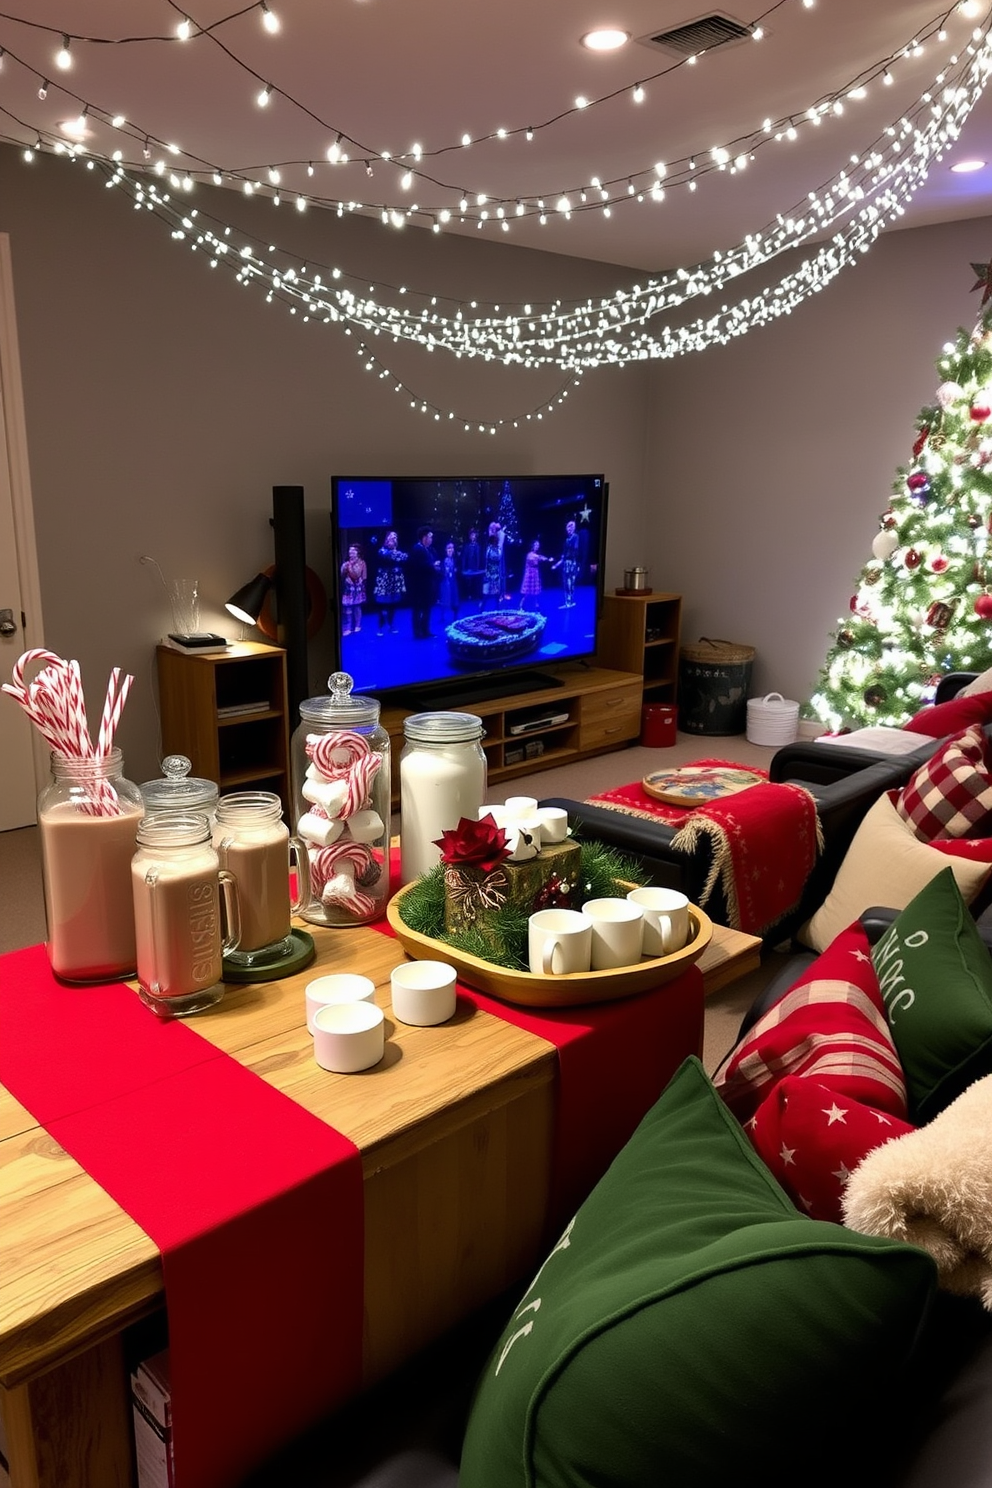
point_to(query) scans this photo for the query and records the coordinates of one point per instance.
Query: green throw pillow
(935, 973)
(691, 1328)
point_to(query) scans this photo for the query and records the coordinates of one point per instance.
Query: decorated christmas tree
(508, 514)
(923, 605)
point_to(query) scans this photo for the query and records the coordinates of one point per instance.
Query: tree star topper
(984, 281)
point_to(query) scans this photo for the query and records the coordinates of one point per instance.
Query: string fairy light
(618, 329)
(640, 183)
(869, 193)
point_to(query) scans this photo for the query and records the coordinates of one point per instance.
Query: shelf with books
(227, 712)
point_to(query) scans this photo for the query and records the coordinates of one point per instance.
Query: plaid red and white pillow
(812, 1139)
(831, 1027)
(950, 795)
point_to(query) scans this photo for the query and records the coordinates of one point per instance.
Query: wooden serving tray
(527, 990)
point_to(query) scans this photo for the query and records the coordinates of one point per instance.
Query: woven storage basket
(716, 653)
(714, 677)
(772, 719)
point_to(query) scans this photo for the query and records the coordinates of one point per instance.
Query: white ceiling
(387, 74)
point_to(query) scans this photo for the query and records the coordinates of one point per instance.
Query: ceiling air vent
(700, 36)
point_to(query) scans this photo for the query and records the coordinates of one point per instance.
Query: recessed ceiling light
(606, 39)
(75, 128)
(965, 167)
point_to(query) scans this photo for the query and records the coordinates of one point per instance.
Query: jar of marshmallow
(341, 804)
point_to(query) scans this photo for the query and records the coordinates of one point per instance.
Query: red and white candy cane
(334, 754)
(337, 857)
(55, 704)
(356, 902)
(335, 869)
(346, 756)
(360, 778)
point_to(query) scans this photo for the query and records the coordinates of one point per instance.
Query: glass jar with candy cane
(88, 820)
(341, 804)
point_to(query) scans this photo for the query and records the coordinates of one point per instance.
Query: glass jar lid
(342, 709)
(442, 728)
(177, 790)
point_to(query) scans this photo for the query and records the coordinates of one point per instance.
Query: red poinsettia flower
(474, 844)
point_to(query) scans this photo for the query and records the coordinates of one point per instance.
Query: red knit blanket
(764, 841)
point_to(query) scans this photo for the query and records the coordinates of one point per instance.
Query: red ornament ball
(983, 606)
(912, 559)
(980, 410)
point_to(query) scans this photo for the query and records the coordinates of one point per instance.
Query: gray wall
(164, 402)
(771, 459)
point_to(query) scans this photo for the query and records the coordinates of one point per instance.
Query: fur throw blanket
(933, 1188)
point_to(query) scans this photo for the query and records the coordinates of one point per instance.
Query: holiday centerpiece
(488, 866)
(485, 939)
(492, 876)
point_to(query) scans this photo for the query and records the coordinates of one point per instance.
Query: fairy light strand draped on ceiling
(633, 324)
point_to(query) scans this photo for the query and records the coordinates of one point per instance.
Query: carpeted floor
(22, 922)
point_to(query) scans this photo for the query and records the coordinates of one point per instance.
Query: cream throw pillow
(885, 865)
(982, 683)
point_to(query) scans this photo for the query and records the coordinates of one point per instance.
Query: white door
(22, 760)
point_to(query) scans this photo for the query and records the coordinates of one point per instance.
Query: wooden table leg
(71, 1427)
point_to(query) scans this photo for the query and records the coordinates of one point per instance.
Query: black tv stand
(455, 695)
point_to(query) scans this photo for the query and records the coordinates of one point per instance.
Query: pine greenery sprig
(604, 873)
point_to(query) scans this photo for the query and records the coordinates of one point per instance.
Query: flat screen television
(455, 589)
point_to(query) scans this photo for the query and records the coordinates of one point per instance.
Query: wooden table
(454, 1128)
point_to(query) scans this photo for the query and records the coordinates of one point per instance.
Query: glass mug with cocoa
(186, 914)
(254, 845)
(88, 819)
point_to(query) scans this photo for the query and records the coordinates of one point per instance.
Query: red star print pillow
(812, 1139)
(830, 1027)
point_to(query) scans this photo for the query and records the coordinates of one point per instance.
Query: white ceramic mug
(423, 992)
(348, 1036)
(617, 932)
(559, 941)
(553, 821)
(341, 986)
(666, 919)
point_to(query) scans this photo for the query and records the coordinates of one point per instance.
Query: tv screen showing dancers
(457, 577)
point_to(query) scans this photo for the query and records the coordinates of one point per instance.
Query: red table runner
(236, 1185)
(614, 1060)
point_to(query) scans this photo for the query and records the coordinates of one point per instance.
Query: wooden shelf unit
(640, 633)
(242, 751)
(602, 708)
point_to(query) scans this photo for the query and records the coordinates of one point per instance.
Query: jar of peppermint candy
(341, 804)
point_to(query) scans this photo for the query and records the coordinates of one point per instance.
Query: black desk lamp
(246, 604)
